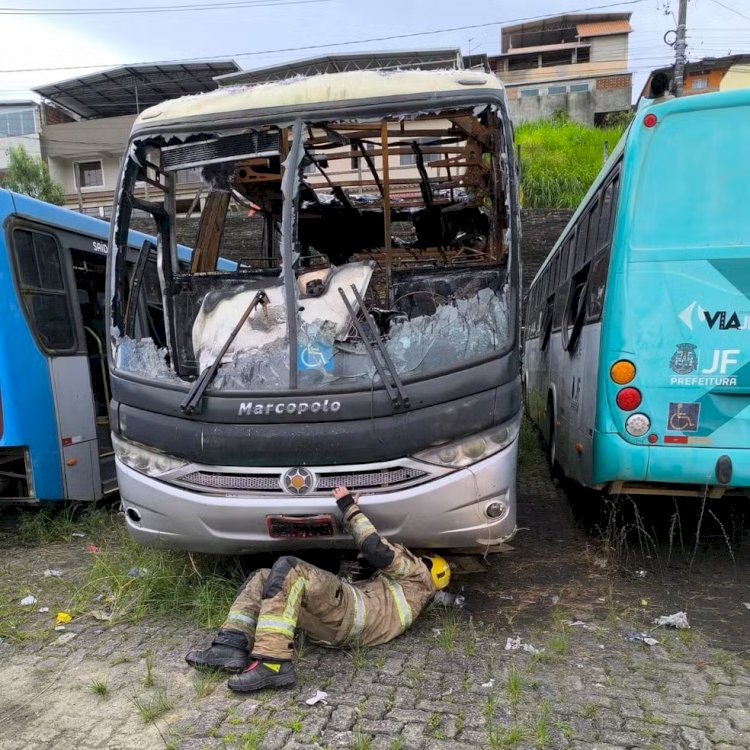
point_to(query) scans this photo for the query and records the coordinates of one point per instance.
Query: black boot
(263, 673)
(228, 651)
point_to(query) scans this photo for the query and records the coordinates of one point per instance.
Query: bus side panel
(576, 396)
(535, 366)
(28, 405)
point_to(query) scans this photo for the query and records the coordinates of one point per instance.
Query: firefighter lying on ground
(256, 639)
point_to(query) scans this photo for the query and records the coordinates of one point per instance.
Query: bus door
(50, 300)
(89, 269)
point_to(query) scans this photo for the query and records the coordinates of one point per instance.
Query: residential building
(708, 75)
(87, 121)
(19, 126)
(577, 64)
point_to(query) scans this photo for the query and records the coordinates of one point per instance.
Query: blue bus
(54, 385)
(637, 345)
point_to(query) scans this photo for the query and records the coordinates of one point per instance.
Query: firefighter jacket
(387, 604)
(273, 603)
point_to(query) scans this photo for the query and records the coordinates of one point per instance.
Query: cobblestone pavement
(451, 683)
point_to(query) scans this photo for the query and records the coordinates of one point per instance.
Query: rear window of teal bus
(692, 190)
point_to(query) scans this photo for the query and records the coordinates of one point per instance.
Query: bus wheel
(554, 467)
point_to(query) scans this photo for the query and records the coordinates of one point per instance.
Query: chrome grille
(374, 479)
(377, 479)
(248, 482)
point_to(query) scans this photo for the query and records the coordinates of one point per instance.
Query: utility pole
(679, 49)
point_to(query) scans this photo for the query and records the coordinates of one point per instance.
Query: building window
(557, 90)
(699, 83)
(188, 176)
(575, 88)
(89, 174)
(22, 122)
(552, 59)
(406, 160)
(529, 92)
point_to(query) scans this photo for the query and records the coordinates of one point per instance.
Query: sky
(38, 47)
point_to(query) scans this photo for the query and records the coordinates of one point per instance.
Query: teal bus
(637, 346)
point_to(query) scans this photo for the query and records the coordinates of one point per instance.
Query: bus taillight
(638, 425)
(650, 120)
(622, 371)
(628, 399)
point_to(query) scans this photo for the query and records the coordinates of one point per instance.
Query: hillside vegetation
(560, 159)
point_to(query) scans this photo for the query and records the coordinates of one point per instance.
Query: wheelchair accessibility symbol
(683, 417)
(315, 356)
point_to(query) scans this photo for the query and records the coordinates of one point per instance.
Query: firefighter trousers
(273, 602)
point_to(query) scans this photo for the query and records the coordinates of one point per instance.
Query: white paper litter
(746, 605)
(78, 533)
(489, 684)
(27, 601)
(677, 620)
(516, 644)
(319, 697)
(43, 609)
(582, 624)
(59, 627)
(636, 636)
(52, 573)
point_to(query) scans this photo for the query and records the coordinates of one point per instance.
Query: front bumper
(447, 512)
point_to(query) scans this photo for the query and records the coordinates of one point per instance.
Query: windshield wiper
(192, 401)
(136, 283)
(368, 332)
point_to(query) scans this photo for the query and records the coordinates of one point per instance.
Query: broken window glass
(414, 234)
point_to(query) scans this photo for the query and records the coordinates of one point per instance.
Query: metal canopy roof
(439, 59)
(132, 88)
(553, 29)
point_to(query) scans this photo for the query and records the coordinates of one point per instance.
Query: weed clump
(133, 582)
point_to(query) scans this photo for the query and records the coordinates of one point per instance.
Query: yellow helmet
(439, 570)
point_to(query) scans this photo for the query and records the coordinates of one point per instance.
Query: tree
(29, 175)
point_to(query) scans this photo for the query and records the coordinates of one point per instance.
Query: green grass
(152, 707)
(198, 589)
(542, 738)
(50, 524)
(449, 622)
(206, 680)
(500, 738)
(560, 159)
(98, 687)
(433, 727)
(148, 678)
(513, 685)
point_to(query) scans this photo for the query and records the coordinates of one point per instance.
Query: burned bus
(367, 334)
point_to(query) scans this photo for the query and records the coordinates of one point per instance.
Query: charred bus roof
(415, 88)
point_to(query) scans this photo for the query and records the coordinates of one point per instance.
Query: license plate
(299, 527)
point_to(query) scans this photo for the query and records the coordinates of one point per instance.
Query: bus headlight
(473, 448)
(144, 460)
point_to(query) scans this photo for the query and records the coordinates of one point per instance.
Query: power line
(732, 10)
(324, 46)
(222, 5)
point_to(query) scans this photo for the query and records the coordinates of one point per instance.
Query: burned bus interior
(395, 233)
